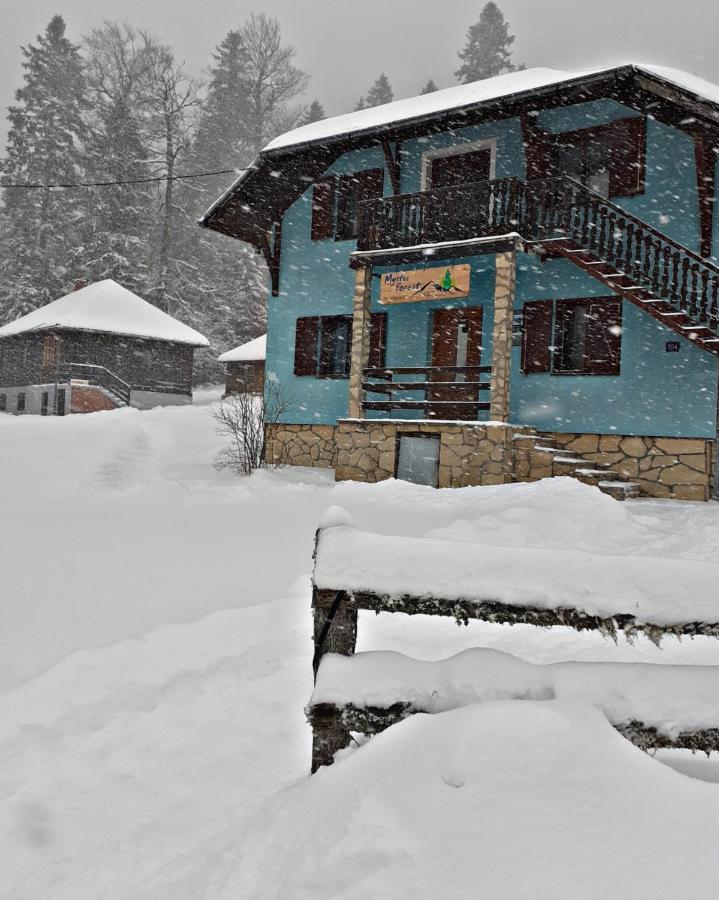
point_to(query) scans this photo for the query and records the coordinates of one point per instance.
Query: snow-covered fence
(620, 594)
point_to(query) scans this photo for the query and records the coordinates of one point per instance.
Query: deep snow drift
(156, 659)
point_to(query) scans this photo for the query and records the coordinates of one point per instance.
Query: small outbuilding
(100, 347)
(245, 367)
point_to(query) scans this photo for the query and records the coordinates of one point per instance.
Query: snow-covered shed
(245, 367)
(99, 347)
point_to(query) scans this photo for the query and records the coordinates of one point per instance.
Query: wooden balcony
(553, 216)
(458, 213)
(448, 392)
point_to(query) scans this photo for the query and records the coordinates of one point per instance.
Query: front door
(457, 344)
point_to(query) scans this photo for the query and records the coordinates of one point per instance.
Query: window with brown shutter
(335, 346)
(573, 337)
(377, 341)
(587, 336)
(323, 202)
(609, 159)
(537, 337)
(306, 334)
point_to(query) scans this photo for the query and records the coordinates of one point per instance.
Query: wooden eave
(280, 176)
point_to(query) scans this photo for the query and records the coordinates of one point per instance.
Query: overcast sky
(345, 44)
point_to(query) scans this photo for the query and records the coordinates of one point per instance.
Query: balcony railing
(548, 209)
(460, 212)
(448, 392)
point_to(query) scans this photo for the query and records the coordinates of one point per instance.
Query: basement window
(418, 458)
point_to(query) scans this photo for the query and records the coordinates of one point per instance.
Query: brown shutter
(377, 340)
(627, 140)
(370, 184)
(323, 199)
(603, 342)
(538, 149)
(537, 337)
(306, 334)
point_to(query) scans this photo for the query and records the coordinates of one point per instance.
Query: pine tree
(224, 281)
(43, 251)
(379, 93)
(487, 51)
(314, 113)
(429, 88)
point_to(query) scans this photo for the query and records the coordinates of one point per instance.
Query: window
(418, 458)
(61, 402)
(609, 159)
(21, 402)
(44, 403)
(572, 337)
(335, 203)
(3, 402)
(323, 345)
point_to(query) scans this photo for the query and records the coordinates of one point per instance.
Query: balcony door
(456, 342)
(456, 168)
(459, 185)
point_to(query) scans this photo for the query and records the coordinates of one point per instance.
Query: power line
(79, 184)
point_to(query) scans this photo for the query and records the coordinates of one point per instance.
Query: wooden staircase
(560, 217)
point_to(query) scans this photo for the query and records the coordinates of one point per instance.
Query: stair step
(620, 490)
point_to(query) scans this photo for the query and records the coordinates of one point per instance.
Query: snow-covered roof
(249, 352)
(108, 307)
(468, 94)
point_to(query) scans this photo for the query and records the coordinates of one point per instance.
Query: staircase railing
(564, 208)
(96, 376)
(542, 210)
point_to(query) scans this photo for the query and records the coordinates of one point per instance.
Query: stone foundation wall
(678, 468)
(301, 445)
(468, 454)
(492, 453)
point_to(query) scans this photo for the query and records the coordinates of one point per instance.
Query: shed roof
(252, 351)
(107, 307)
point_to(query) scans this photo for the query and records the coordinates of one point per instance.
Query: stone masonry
(301, 445)
(494, 453)
(678, 468)
(469, 453)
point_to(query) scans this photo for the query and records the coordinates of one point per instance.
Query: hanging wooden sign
(443, 283)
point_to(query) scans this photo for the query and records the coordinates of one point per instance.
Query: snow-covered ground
(155, 658)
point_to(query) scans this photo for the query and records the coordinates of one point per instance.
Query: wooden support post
(329, 734)
(341, 635)
(335, 631)
(504, 290)
(360, 339)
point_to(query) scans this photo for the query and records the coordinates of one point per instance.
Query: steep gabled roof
(107, 307)
(249, 352)
(286, 166)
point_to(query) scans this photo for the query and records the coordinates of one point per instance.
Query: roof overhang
(278, 177)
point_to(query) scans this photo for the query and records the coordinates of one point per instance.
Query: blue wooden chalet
(501, 281)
